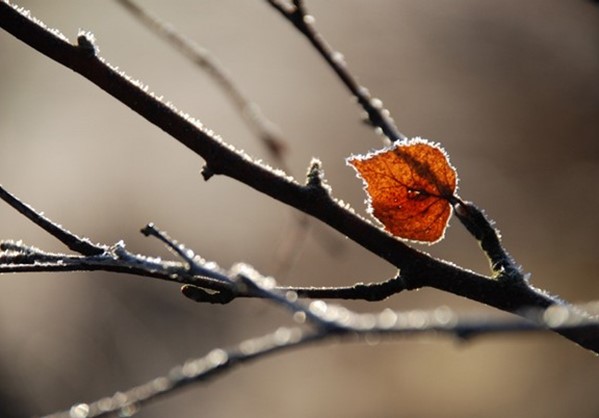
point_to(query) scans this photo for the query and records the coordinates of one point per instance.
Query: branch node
(207, 172)
(315, 180)
(248, 279)
(197, 294)
(374, 292)
(315, 173)
(86, 42)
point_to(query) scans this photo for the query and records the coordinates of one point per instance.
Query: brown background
(508, 87)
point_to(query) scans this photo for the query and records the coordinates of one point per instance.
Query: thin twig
(265, 129)
(386, 324)
(378, 116)
(243, 279)
(72, 241)
(115, 259)
(17, 257)
(32, 260)
(201, 370)
(196, 265)
(481, 227)
(502, 264)
(360, 291)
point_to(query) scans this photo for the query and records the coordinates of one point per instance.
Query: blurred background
(509, 88)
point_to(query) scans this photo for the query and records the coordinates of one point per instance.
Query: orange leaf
(410, 187)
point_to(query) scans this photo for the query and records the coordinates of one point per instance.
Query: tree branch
(72, 241)
(378, 116)
(417, 268)
(204, 59)
(386, 324)
(201, 279)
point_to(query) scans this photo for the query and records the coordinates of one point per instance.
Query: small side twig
(203, 281)
(243, 279)
(195, 263)
(72, 241)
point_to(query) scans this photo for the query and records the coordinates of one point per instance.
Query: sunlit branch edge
(417, 268)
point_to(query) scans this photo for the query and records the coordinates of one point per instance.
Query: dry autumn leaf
(410, 186)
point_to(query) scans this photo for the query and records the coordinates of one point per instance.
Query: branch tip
(315, 180)
(315, 173)
(148, 230)
(179, 249)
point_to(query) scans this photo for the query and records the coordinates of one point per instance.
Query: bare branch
(386, 324)
(360, 291)
(244, 280)
(204, 59)
(417, 268)
(502, 264)
(201, 370)
(72, 241)
(197, 274)
(477, 223)
(266, 131)
(378, 116)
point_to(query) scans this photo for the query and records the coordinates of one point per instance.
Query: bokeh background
(509, 88)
